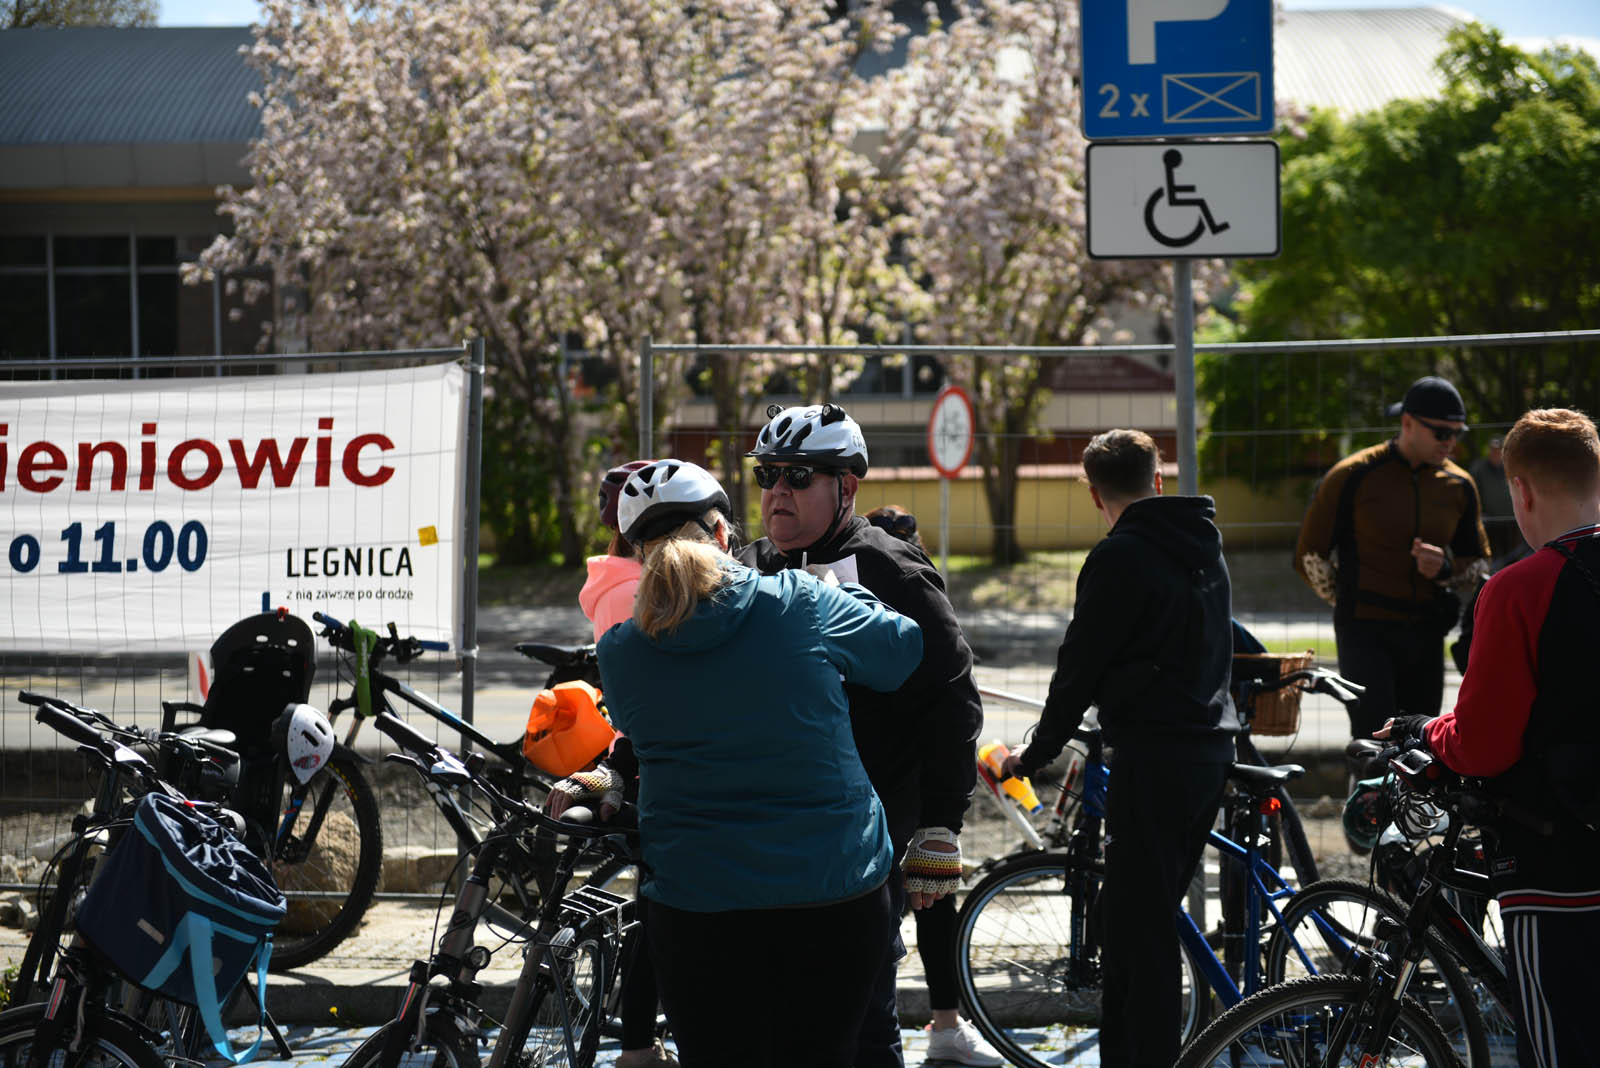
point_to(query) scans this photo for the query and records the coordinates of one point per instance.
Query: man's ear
(1094, 495)
(1524, 491)
(848, 484)
(1158, 483)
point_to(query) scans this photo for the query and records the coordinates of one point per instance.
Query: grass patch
(1045, 581)
(528, 584)
(1325, 649)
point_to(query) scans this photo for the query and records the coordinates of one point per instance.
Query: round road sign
(950, 426)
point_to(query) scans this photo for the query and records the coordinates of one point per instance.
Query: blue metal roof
(112, 85)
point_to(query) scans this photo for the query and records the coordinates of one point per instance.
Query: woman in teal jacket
(759, 827)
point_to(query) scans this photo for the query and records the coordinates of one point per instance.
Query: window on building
(73, 295)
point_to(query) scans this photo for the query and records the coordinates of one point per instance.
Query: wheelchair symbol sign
(1197, 199)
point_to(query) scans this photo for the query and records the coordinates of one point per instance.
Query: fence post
(647, 399)
(469, 529)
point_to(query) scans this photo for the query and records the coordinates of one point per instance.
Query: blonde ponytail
(680, 569)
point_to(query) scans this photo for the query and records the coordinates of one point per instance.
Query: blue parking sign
(1176, 68)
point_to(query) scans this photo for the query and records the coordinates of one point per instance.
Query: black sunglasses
(1442, 433)
(797, 477)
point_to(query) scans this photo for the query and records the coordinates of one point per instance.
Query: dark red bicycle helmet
(611, 485)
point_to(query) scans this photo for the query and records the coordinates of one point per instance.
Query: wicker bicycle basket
(1272, 712)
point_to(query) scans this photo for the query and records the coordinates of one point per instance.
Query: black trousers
(1159, 809)
(1400, 664)
(1551, 956)
(818, 965)
(936, 945)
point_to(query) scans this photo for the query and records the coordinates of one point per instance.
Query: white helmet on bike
(305, 738)
(665, 495)
(819, 434)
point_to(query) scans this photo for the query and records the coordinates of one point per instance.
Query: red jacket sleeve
(1483, 735)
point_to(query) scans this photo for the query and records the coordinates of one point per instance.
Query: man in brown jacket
(1393, 536)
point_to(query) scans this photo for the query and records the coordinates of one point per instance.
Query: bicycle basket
(260, 664)
(182, 907)
(1271, 712)
(566, 729)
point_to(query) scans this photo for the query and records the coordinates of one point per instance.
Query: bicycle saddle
(1255, 777)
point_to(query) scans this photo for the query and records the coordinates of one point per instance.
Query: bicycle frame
(458, 959)
(1441, 916)
(1265, 888)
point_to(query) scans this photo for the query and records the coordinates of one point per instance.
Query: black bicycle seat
(1256, 777)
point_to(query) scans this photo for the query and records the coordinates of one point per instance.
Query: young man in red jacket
(1525, 720)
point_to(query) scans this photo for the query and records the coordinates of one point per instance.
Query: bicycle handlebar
(404, 650)
(435, 762)
(65, 720)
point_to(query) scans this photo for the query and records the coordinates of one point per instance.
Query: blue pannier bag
(180, 906)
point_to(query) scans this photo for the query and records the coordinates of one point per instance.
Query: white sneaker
(962, 1044)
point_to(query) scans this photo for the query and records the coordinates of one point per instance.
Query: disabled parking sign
(1177, 68)
(1184, 199)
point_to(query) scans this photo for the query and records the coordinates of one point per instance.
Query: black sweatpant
(817, 966)
(1400, 664)
(1159, 809)
(1551, 956)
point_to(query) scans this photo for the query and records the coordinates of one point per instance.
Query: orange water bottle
(994, 756)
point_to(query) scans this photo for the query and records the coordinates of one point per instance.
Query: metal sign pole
(944, 527)
(1183, 374)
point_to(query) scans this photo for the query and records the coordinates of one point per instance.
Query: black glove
(1406, 729)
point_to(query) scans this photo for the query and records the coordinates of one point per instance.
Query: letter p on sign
(1144, 14)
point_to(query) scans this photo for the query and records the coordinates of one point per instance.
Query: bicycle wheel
(442, 1046)
(108, 1044)
(327, 861)
(1024, 987)
(1307, 1022)
(570, 998)
(1329, 925)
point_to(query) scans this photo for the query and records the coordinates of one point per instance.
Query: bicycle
(576, 948)
(129, 1024)
(1462, 979)
(374, 690)
(1028, 953)
(1368, 1018)
(1287, 831)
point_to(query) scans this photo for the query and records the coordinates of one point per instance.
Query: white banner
(151, 515)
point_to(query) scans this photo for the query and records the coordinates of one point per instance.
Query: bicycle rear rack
(591, 902)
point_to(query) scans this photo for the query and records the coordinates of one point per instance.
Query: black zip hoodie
(1150, 642)
(917, 743)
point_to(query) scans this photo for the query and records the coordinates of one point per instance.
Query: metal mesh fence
(1271, 420)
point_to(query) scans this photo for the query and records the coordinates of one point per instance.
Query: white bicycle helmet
(305, 738)
(667, 493)
(820, 434)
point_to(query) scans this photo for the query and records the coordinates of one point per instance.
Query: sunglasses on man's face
(797, 477)
(1443, 433)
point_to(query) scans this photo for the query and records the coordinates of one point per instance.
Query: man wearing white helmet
(917, 743)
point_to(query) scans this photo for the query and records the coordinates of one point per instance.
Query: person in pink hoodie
(607, 599)
(607, 595)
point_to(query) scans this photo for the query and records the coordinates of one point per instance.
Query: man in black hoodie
(1150, 644)
(918, 743)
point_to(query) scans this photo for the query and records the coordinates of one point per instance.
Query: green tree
(1475, 213)
(19, 14)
